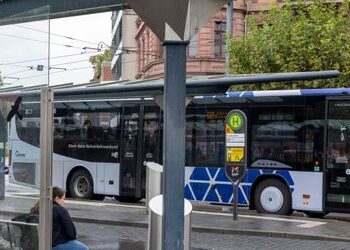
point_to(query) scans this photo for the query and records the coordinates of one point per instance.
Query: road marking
(304, 223)
(78, 202)
(100, 204)
(20, 196)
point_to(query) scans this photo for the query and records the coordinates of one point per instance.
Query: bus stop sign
(236, 145)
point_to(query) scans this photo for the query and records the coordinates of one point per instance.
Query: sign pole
(235, 152)
(235, 203)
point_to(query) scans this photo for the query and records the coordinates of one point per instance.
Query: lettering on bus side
(18, 154)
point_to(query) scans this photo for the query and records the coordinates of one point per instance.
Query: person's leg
(71, 245)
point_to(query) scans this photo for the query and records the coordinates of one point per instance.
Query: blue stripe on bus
(199, 190)
(212, 172)
(200, 174)
(330, 91)
(188, 193)
(222, 175)
(291, 92)
(212, 185)
(224, 189)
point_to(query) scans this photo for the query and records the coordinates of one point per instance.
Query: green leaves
(97, 60)
(293, 38)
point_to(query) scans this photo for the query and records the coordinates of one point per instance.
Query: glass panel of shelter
(23, 65)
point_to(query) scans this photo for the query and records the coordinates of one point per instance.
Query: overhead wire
(58, 35)
(46, 58)
(41, 41)
(16, 64)
(61, 70)
(125, 50)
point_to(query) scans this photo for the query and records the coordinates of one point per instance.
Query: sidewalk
(111, 213)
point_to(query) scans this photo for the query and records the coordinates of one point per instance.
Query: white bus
(298, 144)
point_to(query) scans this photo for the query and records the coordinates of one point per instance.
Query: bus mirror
(14, 110)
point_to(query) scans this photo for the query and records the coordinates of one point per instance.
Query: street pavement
(108, 237)
(111, 225)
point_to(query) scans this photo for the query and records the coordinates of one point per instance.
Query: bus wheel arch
(275, 185)
(80, 183)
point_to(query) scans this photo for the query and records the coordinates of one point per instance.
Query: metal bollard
(155, 223)
(154, 172)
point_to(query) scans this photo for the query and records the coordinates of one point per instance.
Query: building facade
(206, 51)
(124, 64)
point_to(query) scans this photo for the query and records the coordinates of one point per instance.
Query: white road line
(77, 202)
(22, 197)
(100, 204)
(304, 223)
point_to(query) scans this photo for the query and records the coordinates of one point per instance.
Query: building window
(219, 39)
(146, 49)
(118, 35)
(142, 52)
(159, 49)
(192, 47)
(119, 67)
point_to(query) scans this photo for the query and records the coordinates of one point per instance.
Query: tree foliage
(297, 37)
(97, 60)
(1, 81)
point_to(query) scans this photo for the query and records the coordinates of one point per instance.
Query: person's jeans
(71, 245)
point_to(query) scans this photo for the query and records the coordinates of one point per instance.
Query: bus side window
(274, 136)
(33, 133)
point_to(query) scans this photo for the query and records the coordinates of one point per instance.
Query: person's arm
(67, 224)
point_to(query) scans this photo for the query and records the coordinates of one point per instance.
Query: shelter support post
(174, 144)
(46, 148)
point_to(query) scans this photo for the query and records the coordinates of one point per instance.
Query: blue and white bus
(298, 148)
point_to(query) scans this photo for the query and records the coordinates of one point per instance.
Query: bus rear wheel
(81, 185)
(272, 197)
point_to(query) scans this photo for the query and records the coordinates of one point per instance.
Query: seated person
(64, 234)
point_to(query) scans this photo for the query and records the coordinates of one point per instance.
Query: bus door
(130, 134)
(337, 170)
(151, 140)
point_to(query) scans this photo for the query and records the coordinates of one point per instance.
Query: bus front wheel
(81, 185)
(272, 197)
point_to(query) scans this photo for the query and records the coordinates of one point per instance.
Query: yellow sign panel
(234, 154)
(229, 130)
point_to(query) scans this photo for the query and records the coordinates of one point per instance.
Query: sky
(25, 49)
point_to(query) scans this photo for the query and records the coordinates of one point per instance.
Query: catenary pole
(229, 29)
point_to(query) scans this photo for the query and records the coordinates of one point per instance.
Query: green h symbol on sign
(236, 121)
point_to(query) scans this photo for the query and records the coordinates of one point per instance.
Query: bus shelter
(37, 134)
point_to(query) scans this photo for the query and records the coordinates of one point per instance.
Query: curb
(260, 233)
(202, 229)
